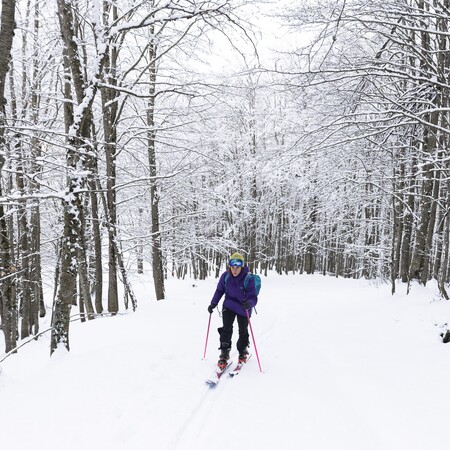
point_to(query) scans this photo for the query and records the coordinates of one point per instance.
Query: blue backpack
(256, 278)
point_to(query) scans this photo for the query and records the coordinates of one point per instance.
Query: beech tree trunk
(8, 304)
(157, 263)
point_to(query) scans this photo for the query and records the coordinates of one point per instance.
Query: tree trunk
(83, 275)
(110, 112)
(140, 245)
(8, 305)
(408, 219)
(97, 237)
(157, 262)
(67, 291)
(77, 162)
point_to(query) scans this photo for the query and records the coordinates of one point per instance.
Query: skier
(240, 298)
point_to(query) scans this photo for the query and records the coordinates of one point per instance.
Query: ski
(237, 369)
(216, 375)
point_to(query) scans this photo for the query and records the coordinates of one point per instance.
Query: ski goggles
(235, 263)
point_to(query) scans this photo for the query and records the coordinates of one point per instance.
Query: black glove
(246, 304)
(211, 308)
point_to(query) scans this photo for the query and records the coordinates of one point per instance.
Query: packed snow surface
(346, 366)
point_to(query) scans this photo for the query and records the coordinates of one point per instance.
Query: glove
(211, 308)
(246, 304)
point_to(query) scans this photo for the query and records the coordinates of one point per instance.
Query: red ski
(237, 369)
(216, 375)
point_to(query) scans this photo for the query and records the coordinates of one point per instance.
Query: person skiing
(240, 298)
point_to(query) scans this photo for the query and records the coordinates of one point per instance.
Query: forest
(165, 134)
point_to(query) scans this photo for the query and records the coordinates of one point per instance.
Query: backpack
(256, 278)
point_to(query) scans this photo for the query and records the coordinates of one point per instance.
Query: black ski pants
(226, 331)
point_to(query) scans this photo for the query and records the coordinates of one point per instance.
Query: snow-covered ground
(346, 366)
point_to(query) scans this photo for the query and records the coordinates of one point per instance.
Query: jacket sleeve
(250, 293)
(220, 290)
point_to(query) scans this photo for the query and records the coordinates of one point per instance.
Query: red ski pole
(207, 334)
(253, 338)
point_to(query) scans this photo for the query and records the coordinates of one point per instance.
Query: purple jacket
(234, 292)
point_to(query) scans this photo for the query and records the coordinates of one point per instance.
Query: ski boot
(243, 355)
(224, 355)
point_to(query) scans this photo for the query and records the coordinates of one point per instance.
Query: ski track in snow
(194, 416)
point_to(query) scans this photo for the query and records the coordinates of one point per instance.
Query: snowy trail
(206, 415)
(312, 385)
(346, 367)
(190, 430)
(309, 389)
